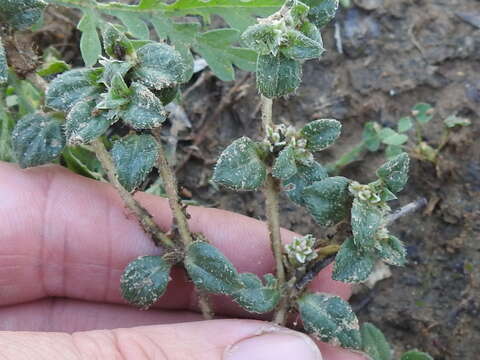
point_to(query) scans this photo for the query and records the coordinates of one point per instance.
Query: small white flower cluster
(364, 193)
(301, 250)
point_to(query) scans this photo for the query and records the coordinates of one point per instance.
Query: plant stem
(143, 216)
(180, 218)
(271, 191)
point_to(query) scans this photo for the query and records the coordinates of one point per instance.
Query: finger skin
(206, 340)
(67, 236)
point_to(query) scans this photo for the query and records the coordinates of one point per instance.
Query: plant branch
(143, 216)
(180, 217)
(407, 209)
(271, 191)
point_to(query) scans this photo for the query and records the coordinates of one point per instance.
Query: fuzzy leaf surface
(21, 14)
(255, 296)
(145, 280)
(392, 251)
(134, 157)
(395, 172)
(210, 270)
(240, 166)
(416, 355)
(159, 66)
(285, 165)
(351, 265)
(298, 46)
(305, 176)
(374, 343)
(330, 318)
(277, 75)
(265, 39)
(145, 110)
(366, 220)
(320, 134)
(71, 87)
(3, 64)
(328, 200)
(37, 139)
(85, 123)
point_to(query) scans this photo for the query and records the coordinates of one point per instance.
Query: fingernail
(275, 346)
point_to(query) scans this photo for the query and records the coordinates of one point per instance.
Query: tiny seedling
(127, 83)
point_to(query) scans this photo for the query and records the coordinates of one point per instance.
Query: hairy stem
(143, 216)
(271, 191)
(180, 217)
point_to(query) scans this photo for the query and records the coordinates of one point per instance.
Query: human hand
(65, 241)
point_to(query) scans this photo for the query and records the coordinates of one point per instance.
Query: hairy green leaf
(265, 39)
(240, 166)
(114, 67)
(416, 355)
(321, 11)
(285, 165)
(82, 161)
(37, 139)
(159, 66)
(72, 86)
(352, 265)
(305, 176)
(210, 270)
(256, 297)
(394, 173)
(145, 280)
(21, 14)
(90, 44)
(366, 220)
(392, 251)
(298, 46)
(374, 343)
(3, 64)
(277, 75)
(322, 133)
(134, 157)
(328, 200)
(330, 319)
(145, 110)
(86, 123)
(115, 42)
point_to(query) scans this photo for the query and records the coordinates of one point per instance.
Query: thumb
(205, 340)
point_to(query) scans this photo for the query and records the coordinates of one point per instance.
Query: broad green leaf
(395, 139)
(277, 75)
(159, 66)
(21, 14)
(135, 25)
(394, 173)
(134, 157)
(404, 124)
(311, 31)
(90, 44)
(416, 355)
(3, 64)
(423, 112)
(285, 165)
(115, 42)
(240, 166)
(320, 134)
(71, 87)
(210, 270)
(298, 46)
(330, 319)
(374, 343)
(37, 139)
(305, 176)
(85, 122)
(366, 220)
(112, 68)
(392, 151)
(371, 136)
(352, 265)
(145, 280)
(83, 162)
(391, 250)
(321, 11)
(328, 200)
(265, 39)
(256, 297)
(53, 67)
(453, 120)
(145, 110)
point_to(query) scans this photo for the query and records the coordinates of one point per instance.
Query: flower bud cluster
(301, 250)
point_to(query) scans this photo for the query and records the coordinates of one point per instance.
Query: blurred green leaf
(90, 44)
(423, 112)
(392, 251)
(416, 355)
(405, 124)
(21, 14)
(374, 343)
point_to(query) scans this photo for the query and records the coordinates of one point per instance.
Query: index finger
(68, 236)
